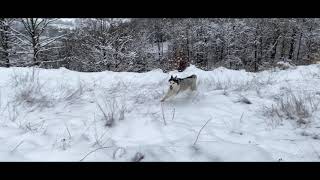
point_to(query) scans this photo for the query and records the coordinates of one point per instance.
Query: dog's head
(174, 81)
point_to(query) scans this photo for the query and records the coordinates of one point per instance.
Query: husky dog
(180, 84)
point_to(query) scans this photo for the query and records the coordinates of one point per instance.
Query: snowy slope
(65, 124)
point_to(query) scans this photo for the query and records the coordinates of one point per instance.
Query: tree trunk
(159, 49)
(188, 50)
(274, 51)
(255, 63)
(35, 53)
(292, 45)
(255, 54)
(261, 49)
(6, 58)
(255, 58)
(221, 53)
(5, 45)
(297, 59)
(282, 48)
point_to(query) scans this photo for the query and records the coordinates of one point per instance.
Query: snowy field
(62, 115)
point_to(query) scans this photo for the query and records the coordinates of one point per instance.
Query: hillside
(60, 115)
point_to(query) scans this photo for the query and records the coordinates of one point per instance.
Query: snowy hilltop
(63, 115)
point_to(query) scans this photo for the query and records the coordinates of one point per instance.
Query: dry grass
(112, 110)
(293, 106)
(71, 94)
(138, 157)
(29, 91)
(243, 99)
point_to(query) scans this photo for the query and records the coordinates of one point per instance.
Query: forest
(143, 44)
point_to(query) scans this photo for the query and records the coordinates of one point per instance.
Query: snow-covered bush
(28, 90)
(256, 83)
(70, 94)
(294, 106)
(284, 65)
(216, 83)
(244, 100)
(112, 110)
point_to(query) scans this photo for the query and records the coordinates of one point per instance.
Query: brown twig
(68, 131)
(174, 110)
(17, 146)
(94, 151)
(104, 114)
(315, 151)
(164, 119)
(200, 131)
(241, 117)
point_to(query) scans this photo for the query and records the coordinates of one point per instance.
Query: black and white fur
(178, 85)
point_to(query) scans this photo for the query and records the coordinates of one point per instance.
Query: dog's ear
(170, 78)
(176, 77)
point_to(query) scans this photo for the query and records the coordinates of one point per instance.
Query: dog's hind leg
(194, 83)
(194, 86)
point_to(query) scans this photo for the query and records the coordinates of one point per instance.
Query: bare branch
(27, 25)
(50, 40)
(41, 50)
(95, 151)
(47, 22)
(241, 117)
(17, 146)
(68, 131)
(42, 21)
(19, 33)
(174, 110)
(200, 131)
(20, 46)
(104, 114)
(164, 119)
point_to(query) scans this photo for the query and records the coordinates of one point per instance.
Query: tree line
(143, 44)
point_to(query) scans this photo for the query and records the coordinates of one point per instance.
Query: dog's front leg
(165, 97)
(168, 94)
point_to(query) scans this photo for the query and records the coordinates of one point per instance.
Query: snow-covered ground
(58, 118)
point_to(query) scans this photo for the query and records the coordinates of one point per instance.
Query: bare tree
(5, 41)
(98, 44)
(103, 44)
(33, 39)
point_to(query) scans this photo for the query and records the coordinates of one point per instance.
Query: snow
(74, 130)
(284, 65)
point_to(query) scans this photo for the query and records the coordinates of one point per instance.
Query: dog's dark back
(192, 76)
(185, 83)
